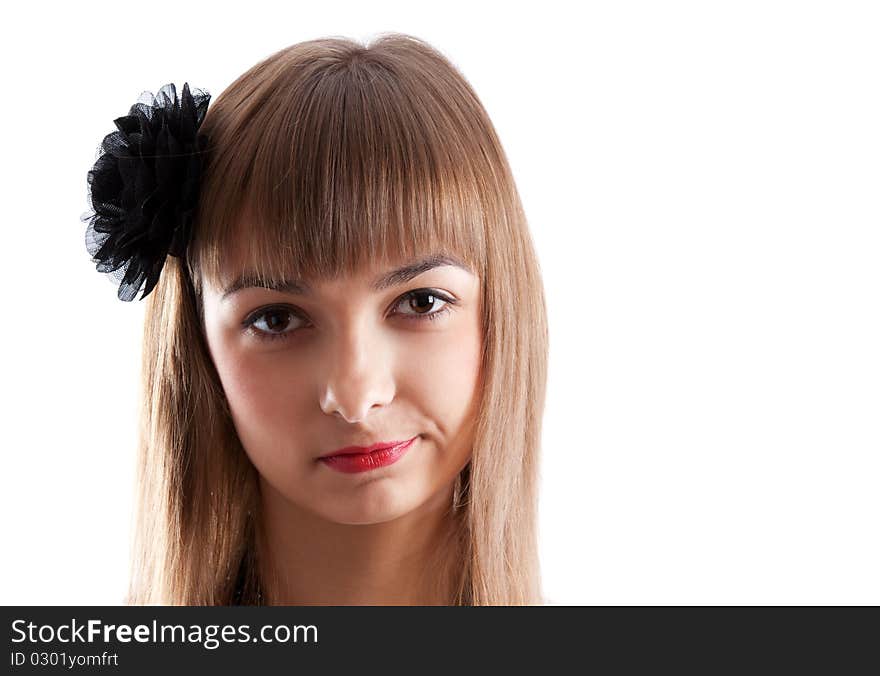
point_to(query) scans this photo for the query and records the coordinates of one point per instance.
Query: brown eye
(273, 322)
(423, 304)
(276, 321)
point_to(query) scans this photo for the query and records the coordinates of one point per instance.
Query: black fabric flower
(144, 188)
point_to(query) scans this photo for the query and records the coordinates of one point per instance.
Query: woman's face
(382, 356)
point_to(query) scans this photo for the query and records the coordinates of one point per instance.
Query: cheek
(265, 398)
(442, 378)
(260, 390)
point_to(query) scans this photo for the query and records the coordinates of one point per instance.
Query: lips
(364, 458)
(360, 450)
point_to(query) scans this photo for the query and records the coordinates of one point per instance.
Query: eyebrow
(384, 281)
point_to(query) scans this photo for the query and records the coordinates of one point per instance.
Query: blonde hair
(339, 154)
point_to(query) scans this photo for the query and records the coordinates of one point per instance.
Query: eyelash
(248, 323)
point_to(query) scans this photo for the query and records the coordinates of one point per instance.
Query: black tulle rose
(144, 188)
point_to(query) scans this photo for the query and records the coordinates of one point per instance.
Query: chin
(374, 504)
(363, 520)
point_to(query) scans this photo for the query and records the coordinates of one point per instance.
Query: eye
(272, 322)
(421, 301)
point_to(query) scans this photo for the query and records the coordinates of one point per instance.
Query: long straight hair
(324, 156)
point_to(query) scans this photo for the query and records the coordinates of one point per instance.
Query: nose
(357, 376)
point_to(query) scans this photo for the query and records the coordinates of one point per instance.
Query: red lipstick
(353, 459)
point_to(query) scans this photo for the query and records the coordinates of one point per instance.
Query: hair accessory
(144, 188)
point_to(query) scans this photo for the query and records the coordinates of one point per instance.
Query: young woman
(344, 374)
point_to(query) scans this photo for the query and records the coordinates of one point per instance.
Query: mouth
(354, 459)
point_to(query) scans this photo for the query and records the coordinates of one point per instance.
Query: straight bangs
(328, 156)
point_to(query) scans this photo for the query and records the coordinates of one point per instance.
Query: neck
(309, 560)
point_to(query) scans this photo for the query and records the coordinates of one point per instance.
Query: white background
(701, 181)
